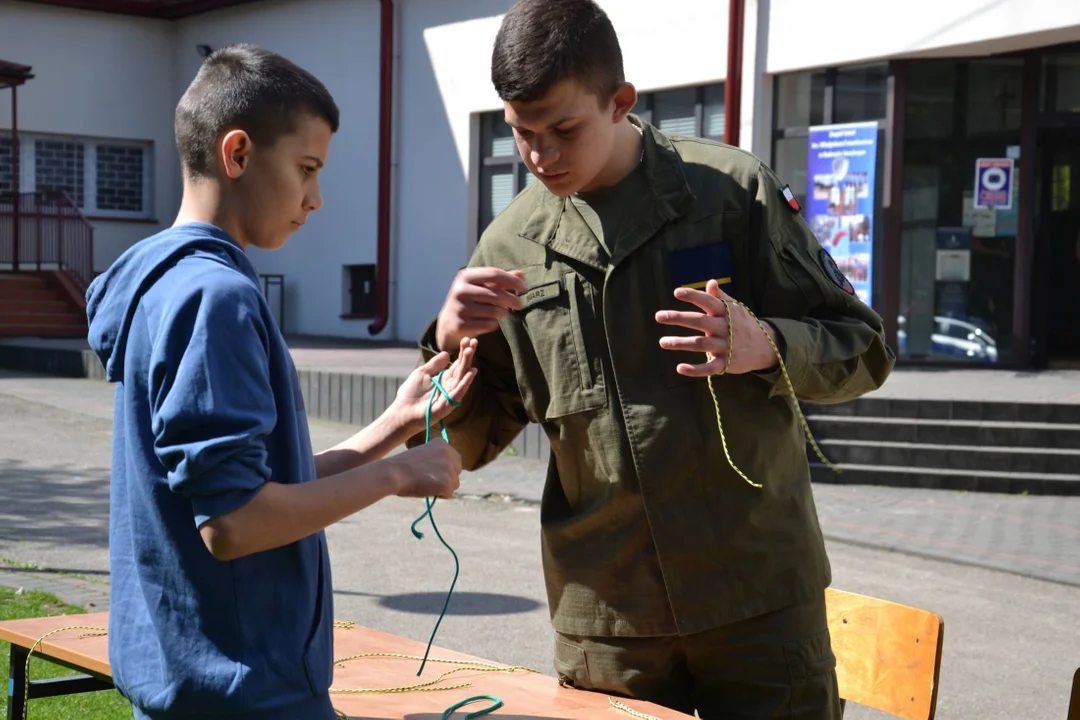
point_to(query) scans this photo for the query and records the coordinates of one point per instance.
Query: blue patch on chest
(694, 267)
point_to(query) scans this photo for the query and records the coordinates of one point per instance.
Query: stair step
(947, 479)
(8, 294)
(21, 330)
(21, 277)
(946, 432)
(40, 318)
(955, 457)
(927, 409)
(36, 306)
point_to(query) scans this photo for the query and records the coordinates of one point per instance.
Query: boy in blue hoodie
(222, 598)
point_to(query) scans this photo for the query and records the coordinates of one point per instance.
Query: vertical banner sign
(840, 174)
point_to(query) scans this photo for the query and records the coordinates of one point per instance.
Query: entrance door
(1056, 323)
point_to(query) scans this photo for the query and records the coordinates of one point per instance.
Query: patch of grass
(105, 705)
(9, 564)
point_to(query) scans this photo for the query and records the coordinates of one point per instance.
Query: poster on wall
(840, 179)
(993, 183)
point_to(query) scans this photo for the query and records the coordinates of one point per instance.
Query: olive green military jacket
(646, 528)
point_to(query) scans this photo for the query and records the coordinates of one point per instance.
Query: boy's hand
(429, 470)
(753, 352)
(411, 402)
(478, 299)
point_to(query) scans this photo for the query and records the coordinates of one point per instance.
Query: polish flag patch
(790, 199)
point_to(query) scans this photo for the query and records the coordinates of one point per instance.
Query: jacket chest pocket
(557, 359)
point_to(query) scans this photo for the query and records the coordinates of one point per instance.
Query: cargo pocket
(560, 323)
(809, 267)
(812, 672)
(571, 666)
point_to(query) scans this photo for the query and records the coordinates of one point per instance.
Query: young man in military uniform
(603, 297)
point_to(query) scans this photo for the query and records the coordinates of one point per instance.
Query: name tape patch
(540, 293)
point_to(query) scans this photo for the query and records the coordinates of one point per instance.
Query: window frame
(89, 208)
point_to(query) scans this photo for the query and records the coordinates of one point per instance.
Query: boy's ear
(235, 148)
(624, 100)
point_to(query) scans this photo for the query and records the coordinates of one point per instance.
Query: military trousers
(778, 666)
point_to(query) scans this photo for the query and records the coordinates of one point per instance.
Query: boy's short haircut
(248, 88)
(543, 42)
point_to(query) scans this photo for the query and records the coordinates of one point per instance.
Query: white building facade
(934, 88)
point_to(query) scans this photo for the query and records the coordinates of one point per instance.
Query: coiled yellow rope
(787, 379)
(26, 668)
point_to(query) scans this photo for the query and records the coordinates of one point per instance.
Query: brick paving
(92, 596)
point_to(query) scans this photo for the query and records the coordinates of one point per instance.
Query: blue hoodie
(208, 408)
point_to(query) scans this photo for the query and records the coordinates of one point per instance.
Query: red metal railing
(52, 234)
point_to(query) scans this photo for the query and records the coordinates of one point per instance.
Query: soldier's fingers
(713, 288)
(479, 326)
(494, 277)
(696, 343)
(489, 296)
(713, 367)
(709, 303)
(482, 311)
(709, 324)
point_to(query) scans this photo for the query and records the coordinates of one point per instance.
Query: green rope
(430, 503)
(496, 704)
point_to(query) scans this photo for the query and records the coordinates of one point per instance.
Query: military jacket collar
(557, 224)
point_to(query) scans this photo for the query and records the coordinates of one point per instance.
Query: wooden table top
(525, 695)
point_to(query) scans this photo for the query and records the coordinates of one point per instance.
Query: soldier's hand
(478, 299)
(429, 470)
(752, 349)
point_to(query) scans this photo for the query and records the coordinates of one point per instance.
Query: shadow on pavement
(461, 603)
(54, 505)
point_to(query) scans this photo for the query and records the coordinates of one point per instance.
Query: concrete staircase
(40, 304)
(949, 444)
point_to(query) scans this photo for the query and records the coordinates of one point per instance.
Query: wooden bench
(524, 693)
(888, 658)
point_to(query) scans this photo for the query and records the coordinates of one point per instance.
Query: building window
(6, 165)
(60, 165)
(359, 300)
(957, 261)
(104, 178)
(694, 111)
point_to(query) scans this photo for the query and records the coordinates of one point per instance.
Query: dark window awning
(163, 9)
(12, 74)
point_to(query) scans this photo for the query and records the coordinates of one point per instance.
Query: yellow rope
(464, 665)
(630, 711)
(787, 379)
(30, 652)
(429, 686)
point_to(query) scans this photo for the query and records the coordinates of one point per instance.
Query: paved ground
(1004, 571)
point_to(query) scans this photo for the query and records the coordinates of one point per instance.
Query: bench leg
(17, 683)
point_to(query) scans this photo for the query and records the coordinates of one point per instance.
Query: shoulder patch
(833, 272)
(790, 199)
